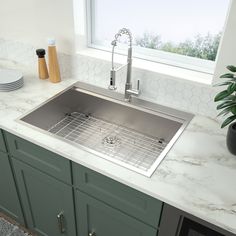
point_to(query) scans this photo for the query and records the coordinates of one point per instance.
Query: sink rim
(182, 117)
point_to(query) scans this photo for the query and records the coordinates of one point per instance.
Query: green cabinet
(2, 143)
(9, 202)
(95, 218)
(48, 185)
(47, 203)
(117, 195)
(39, 158)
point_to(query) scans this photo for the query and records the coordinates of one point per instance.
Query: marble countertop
(198, 174)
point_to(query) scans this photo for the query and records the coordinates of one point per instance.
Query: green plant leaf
(224, 112)
(223, 105)
(221, 95)
(232, 80)
(228, 75)
(228, 121)
(233, 109)
(223, 84)
(231, 88)
(231, 68)
(230, 98)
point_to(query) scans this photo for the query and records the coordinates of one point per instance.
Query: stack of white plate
(10, 80)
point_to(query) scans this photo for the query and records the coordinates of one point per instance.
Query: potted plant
(227, 99)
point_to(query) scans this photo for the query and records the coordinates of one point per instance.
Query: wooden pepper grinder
(54, 70)
(42, 66)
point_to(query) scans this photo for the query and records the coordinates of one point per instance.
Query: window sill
(162, 69)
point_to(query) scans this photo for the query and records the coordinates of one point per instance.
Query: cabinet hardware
(92, 234)
(60, 219)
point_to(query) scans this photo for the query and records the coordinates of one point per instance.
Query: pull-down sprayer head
(121, 32)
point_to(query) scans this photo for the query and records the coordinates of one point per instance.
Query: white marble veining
(198, 174)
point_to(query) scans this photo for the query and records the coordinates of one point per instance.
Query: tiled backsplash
(180, 94)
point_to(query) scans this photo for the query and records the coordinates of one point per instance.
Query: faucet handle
(138, 85)
(135, 92)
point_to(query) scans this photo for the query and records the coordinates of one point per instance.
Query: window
(183, 33)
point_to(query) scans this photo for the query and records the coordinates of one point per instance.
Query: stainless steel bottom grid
(116, 142)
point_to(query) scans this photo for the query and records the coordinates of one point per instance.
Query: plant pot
(231, 138)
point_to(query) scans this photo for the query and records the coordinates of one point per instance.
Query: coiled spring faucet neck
(128, 85)
(121, 32)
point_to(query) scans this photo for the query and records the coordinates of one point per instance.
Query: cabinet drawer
(117, 195)
(2, 143)
(40, 158)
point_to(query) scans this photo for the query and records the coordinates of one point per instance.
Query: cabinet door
(2, 143)
(98, 219)
(117, 195)
(9, 202)
(47, 202)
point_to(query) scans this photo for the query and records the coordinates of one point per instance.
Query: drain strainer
(111, 141)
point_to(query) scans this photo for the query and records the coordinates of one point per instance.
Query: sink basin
(136, 135)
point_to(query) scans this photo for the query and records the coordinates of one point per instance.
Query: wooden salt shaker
(42, 66)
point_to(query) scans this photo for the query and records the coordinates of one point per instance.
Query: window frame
(152, 55)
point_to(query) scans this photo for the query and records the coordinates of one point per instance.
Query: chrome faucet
(129, 91)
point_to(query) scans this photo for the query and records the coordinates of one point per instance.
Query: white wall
(227, 52)
(33, 21)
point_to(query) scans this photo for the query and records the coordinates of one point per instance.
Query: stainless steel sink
(136, 134)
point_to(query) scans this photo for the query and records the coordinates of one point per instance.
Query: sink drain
(111, 141)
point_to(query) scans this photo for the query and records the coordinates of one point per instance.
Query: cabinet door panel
(124, 198)
(96, 217)
(39, 158)
(2, 143)
(43, 199)
(9, 202)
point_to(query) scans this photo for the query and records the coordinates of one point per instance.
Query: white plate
(19, 81)
(10, 89)
(11, 85)
(16, 82)
(10, 76)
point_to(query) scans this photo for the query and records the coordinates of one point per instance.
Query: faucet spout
(128, 85)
